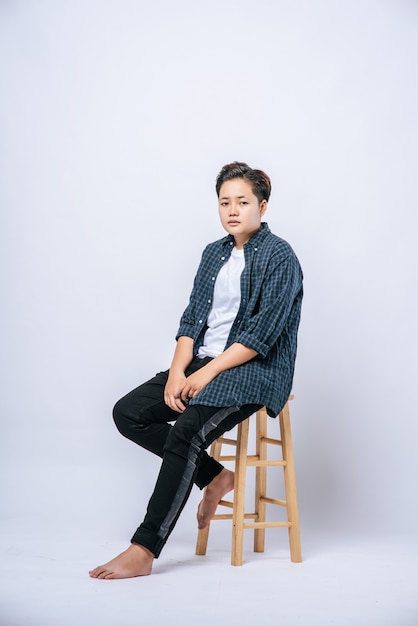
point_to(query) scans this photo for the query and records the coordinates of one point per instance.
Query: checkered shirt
(267, 321)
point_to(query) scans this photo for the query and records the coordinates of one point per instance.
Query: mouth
(233, 223)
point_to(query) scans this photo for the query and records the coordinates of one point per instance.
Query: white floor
(361, 581)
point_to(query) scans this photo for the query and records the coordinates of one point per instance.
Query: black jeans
(143, 417)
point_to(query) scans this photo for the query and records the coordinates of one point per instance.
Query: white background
(115, 120)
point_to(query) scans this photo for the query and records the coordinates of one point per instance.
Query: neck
(240, 241)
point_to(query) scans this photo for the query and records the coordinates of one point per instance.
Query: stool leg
(290, 486)
(239, 493)
(260, 479)
(203, 534)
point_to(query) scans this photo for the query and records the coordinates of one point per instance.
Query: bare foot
(215, 491)
(135, 561)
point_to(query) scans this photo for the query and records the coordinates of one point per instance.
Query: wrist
(176, 370)
(213, 367)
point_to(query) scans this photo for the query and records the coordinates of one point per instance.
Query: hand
(196, 382)
(173, 390)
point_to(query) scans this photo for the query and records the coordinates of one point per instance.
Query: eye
(224, 203)
(243, 202)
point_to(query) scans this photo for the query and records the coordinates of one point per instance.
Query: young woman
(236, 350)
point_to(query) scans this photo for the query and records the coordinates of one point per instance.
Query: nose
(233, 209)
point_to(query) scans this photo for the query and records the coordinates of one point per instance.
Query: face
(239, 210)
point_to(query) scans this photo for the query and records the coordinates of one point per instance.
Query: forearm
(235, 355)
(183, 355)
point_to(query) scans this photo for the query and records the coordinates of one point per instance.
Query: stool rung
(255, 461)
(274, 442)
(227, 457)
(273, 501)
(227, 442)
(230, 505)
(229, 516)
(226, 503)
(268, 525)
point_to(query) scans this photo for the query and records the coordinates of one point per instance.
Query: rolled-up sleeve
(188, 321)
(280, 288)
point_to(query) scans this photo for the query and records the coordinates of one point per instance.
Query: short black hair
(259, 181)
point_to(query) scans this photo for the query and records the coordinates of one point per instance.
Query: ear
(263, 207)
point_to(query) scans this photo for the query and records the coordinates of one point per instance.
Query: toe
(97, 572)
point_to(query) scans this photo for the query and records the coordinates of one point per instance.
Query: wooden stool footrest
(274, 442)
(273, 501)
(228, 442)
(254, 461)
(268, 525)
(226, 503)
(229, 516)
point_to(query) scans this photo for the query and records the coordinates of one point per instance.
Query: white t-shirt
(225, 305)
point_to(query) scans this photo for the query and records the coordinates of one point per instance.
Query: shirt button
(200, 321)
(213, 277)
(222, 258)
(256, 249)
(209, 301)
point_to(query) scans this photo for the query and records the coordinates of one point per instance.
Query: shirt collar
(255, 240)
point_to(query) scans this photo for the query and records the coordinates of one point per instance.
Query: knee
(128, 418)
(120, 417)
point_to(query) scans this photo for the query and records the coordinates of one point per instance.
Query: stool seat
(256, 520)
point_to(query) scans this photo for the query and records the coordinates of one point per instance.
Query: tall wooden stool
(261, 463)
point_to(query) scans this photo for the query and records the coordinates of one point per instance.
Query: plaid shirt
(267, 321)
